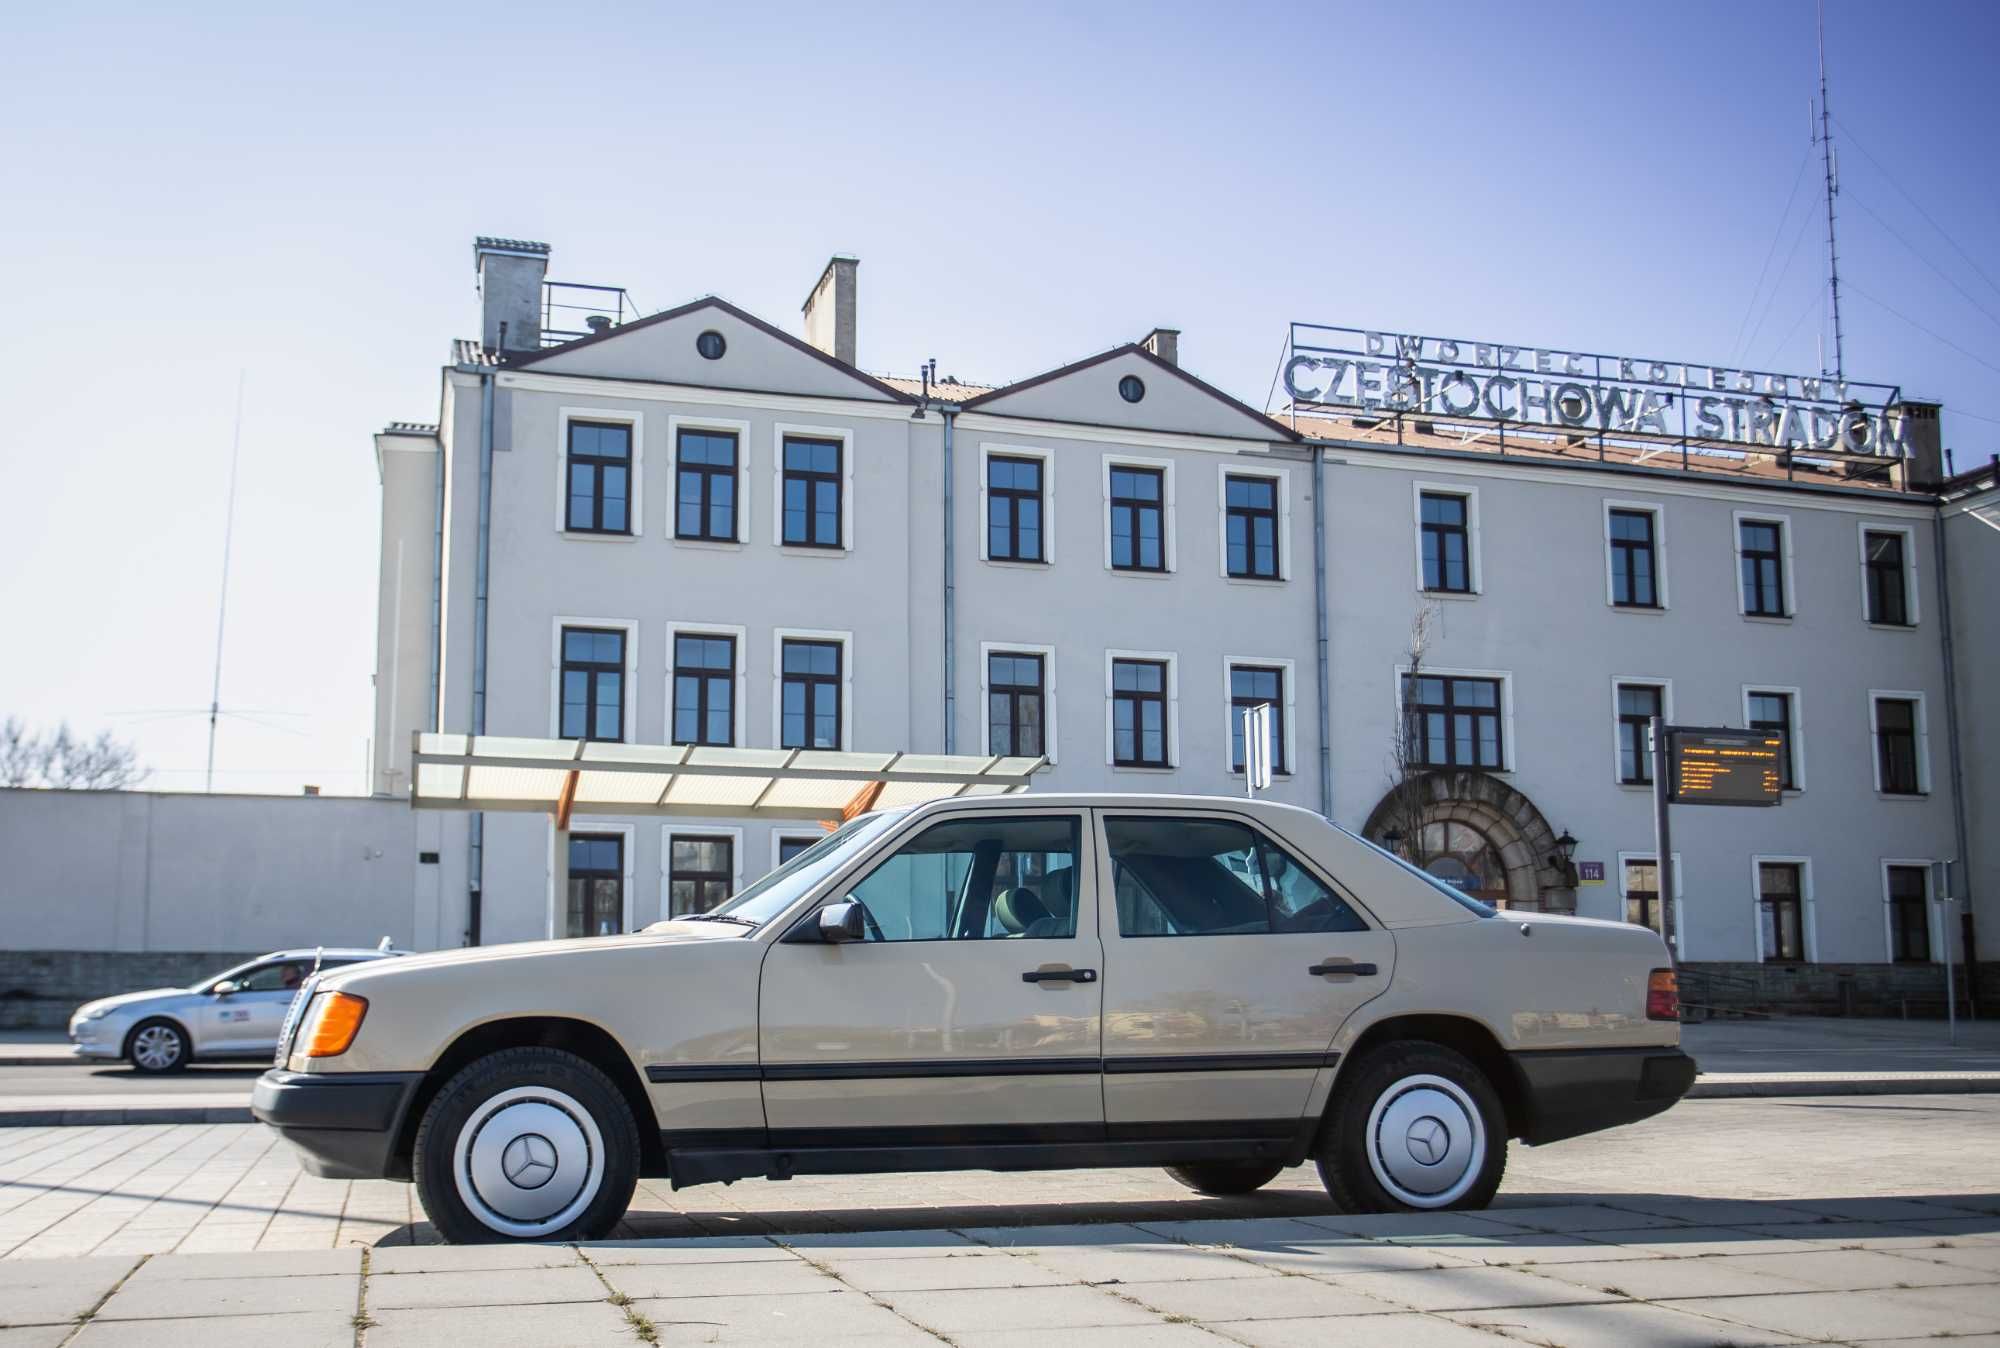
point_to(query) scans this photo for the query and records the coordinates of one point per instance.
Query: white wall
(132, 870)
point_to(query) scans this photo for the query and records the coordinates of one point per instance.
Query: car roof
(329, 952)
(1110, 800)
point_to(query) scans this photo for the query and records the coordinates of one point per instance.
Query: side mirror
(228, 987)
(843, 922)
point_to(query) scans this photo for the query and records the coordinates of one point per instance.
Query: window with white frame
(1764, 565)
(1783, 908)
(701, 870)
(1456, 718)
(597, 472)
(1902, 743)
(704, 688)
(813, 486)
(1016, 703)
(1906, 888)
(591, 679)
(1776, 710)
(1138, 515)
(1142, 700)
(597, 900)
(1447, 539)
(813, 688)
(1639, 886)
(1638, 702)
(785, 846)
(1261, 682)
(710, 501)
(1255, 522)
(1888, 576)
(1635, 556)
(1014, 487)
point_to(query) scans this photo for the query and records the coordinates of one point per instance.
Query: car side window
(1007, 878)
(283, 976)
(1214, 877)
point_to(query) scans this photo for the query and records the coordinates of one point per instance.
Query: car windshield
(781, 888)
(1462, 900)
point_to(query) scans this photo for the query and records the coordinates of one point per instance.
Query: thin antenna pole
(1832, 190)
(222, 602)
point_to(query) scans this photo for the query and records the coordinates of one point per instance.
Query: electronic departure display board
(1717, 766)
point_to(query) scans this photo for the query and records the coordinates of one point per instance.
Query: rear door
(1229, 966)
(970, 1013)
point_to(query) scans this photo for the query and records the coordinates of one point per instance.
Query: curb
(1808, 1086)
(56, 1118)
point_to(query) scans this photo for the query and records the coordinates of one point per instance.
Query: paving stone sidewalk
(1633, 1272)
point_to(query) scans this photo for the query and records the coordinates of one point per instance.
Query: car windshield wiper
(720, 917)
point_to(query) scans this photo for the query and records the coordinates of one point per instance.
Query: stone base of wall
(1835, 989)
(40, 988)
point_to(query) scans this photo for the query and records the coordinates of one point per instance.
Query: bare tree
(1407, 794)
(64, 762)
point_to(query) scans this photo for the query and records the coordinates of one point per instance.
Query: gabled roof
(516, 360)
(1264, 427)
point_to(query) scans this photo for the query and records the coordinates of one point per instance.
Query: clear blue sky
(292, 192)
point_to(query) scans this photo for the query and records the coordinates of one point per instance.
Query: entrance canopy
(489, 772)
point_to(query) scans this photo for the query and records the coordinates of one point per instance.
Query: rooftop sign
(1542, 388)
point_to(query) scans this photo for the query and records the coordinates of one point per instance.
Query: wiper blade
(720, 917)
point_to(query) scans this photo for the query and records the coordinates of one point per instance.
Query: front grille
(293, 1014)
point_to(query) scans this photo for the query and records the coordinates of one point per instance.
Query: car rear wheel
(158, 1046)
(1416, 1127)
(1225, 1179)
(527, 1144)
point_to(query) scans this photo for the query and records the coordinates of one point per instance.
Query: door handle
(1329, 967)
(1060, 976)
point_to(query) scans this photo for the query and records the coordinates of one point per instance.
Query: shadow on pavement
(1652, 1219)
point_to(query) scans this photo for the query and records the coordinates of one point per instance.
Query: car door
(970, 1013)
(247, 1020)
(1228, 967)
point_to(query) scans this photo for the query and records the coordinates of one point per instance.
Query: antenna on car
(385, 945)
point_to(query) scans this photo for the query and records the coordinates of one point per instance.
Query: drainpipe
(437, 590)
(950, 596)
(1964, 867)
(476, 839)
(1320, 617)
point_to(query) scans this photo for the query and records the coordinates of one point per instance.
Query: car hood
(125, 999)
(538, 953)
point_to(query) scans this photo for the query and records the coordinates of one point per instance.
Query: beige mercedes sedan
(1221, 987)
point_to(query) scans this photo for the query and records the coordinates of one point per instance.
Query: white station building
(1463, 571)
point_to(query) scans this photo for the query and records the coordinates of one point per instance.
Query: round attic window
(711, 345)
(1131, 388)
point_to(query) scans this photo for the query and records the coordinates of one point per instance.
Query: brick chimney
(1164, 343)
(829, 310)
(1921, 431)
(511, 272)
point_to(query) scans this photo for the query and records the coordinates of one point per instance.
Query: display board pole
(1663, 837)
(1942, 881)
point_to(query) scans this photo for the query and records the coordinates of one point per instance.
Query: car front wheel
(527, 1144)
(158, 1046)
(1415, 1127)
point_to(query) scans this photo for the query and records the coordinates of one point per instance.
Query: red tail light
(1663, 996)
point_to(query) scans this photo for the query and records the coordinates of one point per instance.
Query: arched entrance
(1478, 835)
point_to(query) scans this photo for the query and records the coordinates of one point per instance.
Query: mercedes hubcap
(529, 1161)
(1426, 1141)
(156, 1047)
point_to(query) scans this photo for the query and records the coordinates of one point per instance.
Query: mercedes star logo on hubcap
(529, 1161)
(1427, 1140)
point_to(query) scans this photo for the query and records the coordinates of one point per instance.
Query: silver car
(235, 1014)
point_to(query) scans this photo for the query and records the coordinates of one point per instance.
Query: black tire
(1401, 1079)
(567, 1086)
(158, 1046)
(1226, 1179)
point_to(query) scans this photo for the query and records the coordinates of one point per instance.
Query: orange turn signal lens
(336, 1020)
(1663, 996)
